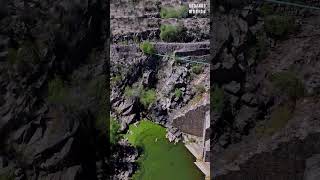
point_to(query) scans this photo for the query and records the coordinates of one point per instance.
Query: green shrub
(131, 92)
(197, 69)
(7, 176)
(147, 48)
(108, 128)
(96, 87)
(170, 33)
(148, 97)
(178, 93)
(114, 131)
(261, 48)
(288, 84)
(116, 79)
(218, 99)
(12, 55)
(266, 10)
(279, 26)
(27, 53)
(101, 123)
(57, 92)
(279, 118)
(174, 12)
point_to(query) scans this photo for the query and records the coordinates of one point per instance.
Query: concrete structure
(195, 126)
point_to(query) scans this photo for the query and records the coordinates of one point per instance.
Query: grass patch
(148, 97)
(57, 91)
(108, 128)
(147, 48)
(266, 9)
(287, 83)
(260, 49)
(28, 52)
(7, 176)
(78, 93)
(160, 159)
(101, 123)
(96, 87)
(12, 55)
(115, 136)
(132, 92)
(170, 33)
(178, 93)
(218, 99)
(279, 118)
(279, 26)
(116, 79)
(174, 12)
(197, 69)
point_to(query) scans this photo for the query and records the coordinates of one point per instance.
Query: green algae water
(161, 160)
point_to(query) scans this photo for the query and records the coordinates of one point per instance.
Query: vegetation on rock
(101, 124)
(57, 92)
(200, 89)
(12, 56)
(114, 131)
(7, 176)
(148, 97)
(279, 118)
(266, 10)
(287, 83)
(174, 12)
(170, 33)
(279, 26)
(197, 69)
(132, 92)
(96, 87)
(147, 48)
(178, 93)
(27, 53)
(218, 99)
(116, 79)
(261, 48)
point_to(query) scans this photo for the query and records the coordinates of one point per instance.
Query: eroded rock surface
(250, 139)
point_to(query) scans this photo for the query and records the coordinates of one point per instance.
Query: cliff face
(47, 125)
(158, 86)
(266, 71)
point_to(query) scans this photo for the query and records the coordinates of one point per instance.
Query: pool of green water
(160, 159)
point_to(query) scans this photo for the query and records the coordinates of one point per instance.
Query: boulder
(249, 99)
(126, 121)
(228, 60)
(312, 171)
(233, 87)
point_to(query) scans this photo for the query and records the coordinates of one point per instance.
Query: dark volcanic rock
(233, 87)
(40, 41)
(242, 146)
(312, 168)
(69, 173)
